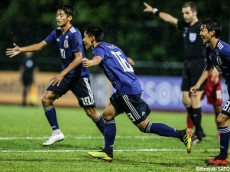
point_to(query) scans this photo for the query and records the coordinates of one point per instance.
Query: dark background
(156, 46)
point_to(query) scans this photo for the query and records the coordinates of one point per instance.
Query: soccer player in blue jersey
(218, 56)
(127, 97)
(73, 75)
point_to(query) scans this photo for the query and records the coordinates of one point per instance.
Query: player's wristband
(156, 11)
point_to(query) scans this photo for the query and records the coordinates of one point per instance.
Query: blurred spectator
(29, 93)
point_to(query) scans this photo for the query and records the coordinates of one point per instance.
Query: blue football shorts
(135, 108)
(226, 108)
(80, 87)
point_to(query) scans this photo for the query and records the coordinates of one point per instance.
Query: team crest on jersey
(219, 61)
(66, 44)
(192, 37)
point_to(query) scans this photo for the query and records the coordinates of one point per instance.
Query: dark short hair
(213, 24)
(96, 31)
(191, 5)
(68, 9)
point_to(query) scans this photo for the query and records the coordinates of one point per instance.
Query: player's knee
(220, 121)
(142, 125)
(142, 129)
(45, 101)
(107, 117)
(92, 113)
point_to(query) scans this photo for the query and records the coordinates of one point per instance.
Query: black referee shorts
(191, 74)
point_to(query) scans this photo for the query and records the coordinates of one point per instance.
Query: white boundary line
(118, 150)
(96, 138)
(91, 138)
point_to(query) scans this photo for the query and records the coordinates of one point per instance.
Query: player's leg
(197, 116)
(217, 110)
(216, 100)
(82, 90)
(52, 93)
(186, 99)
(109, 135)
(224, 130)
(50, 112)
(25, 94)
(96, 117)
(137, 111)
(196, 68)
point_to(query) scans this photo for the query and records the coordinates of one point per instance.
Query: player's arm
(11, 52)
(215, 76)
(95, 61)
(164, 16)
(202, 78)
(76, 62)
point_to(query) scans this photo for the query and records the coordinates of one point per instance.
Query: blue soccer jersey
(69, 43)
(117, 69)
(220, 58)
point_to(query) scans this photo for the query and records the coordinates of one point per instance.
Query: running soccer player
(218, 56)
(127, 97)
(73, 75)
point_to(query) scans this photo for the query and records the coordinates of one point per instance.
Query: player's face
(87, 40)
(62, 18)
(205, 34)
(188, 14)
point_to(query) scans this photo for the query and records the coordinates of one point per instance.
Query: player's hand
(56, 80)
(86, 62)
(194, 89)
(131, 61)
(11, 52)
(148, 8)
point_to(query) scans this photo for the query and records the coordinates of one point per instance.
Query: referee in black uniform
(194, 63)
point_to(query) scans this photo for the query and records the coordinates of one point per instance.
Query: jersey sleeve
(181, 24)
(226, 53)
(51, 38)
(99, 52)
(209, 62)
(76, 42)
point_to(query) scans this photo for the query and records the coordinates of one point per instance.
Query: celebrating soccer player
(218, 56)
(127, 98)
(73, 75)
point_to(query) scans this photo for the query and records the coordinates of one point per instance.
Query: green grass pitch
(23, 129)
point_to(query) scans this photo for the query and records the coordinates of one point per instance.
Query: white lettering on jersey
(89, 100)
(124, 64)
(227, 106)
(62, 51)
(131, 117)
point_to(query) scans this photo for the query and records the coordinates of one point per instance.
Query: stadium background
(155, 46)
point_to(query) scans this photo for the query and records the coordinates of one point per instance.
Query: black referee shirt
(194, 48)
